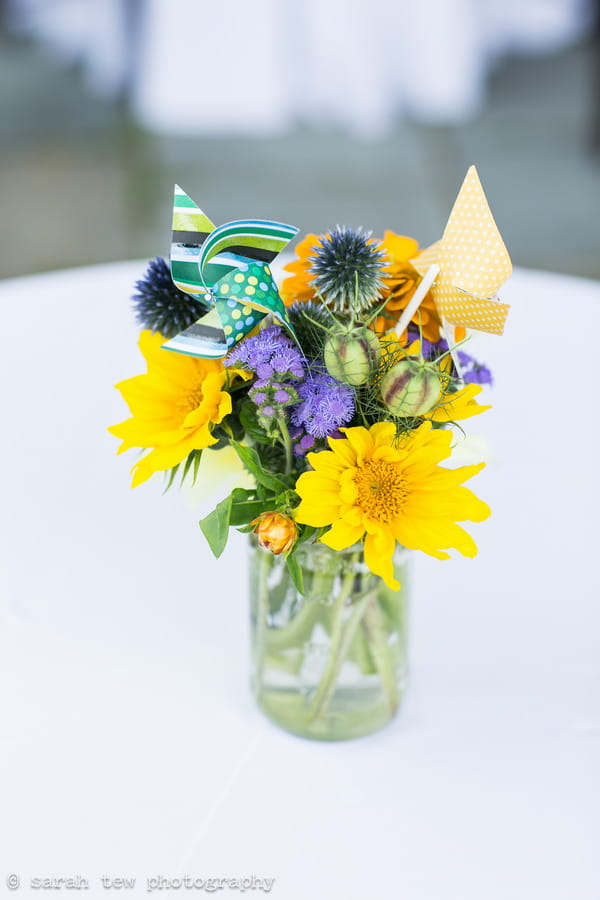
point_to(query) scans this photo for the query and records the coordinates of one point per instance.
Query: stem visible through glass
(262, 612)
(375, 631)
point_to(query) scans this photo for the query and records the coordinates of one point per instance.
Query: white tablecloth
(129, 741)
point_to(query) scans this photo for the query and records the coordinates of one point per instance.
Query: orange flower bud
(275, 532)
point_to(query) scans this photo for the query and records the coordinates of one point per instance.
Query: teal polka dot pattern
(249, 288)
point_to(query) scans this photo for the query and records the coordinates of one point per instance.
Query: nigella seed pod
(410, 389)
(275, 532)
(352, 355)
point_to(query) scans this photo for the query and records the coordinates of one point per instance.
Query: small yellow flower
(459, 405)
(401, 281)
(371, 485)
(174, 406)
(298, 287)
(275, 532)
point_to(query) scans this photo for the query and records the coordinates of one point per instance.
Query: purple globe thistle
(347, 268)
(160, 306)
(325, 405)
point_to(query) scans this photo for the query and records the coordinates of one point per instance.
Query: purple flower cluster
(277, 362)
(270, 396)
(325, 405)
(302, 441)
(473, 372)
(269, 353)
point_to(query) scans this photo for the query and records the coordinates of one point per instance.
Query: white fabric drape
(264, 66)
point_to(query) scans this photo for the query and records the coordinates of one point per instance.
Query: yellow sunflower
(391, 491)
(174, 406)
(457, 406)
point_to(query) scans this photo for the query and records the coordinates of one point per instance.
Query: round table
(130, 743)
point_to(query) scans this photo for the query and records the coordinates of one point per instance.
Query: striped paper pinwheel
(227, 270)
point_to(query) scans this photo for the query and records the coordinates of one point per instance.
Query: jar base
(350, 715)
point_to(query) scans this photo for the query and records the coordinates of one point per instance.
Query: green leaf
(197, 459)
(215, 526)
(251, 460)
(192, 459)
(240, 495)
(307, 532)
(171, 478)
(249, 421)
(295, 570)
(242, 513)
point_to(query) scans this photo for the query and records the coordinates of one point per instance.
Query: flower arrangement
(338, 391)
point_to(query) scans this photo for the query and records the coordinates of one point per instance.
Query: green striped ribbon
(227, 266)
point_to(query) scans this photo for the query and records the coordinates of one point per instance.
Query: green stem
(339, 651)
(262, 611)
(341, 638)
(362, 415)
(373, 624)
(297, 632)
(287, 444)
(315, 606)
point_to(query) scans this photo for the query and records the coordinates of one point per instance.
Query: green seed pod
(352, 355)
(410, 389)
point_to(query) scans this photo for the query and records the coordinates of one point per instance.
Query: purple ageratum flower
(252, 351)
(264, 370)
(306, 443)
(429, 348)
(479, 374)
(325, 405)
(473, 372)
(270, 351)
(288, 359)
(276, 360)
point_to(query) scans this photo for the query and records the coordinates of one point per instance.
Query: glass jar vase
(330, 664)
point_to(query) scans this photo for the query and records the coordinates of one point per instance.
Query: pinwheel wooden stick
(417, 298)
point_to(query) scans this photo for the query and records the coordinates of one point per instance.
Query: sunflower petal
(379, 553)
(362, 443)
(342, 535)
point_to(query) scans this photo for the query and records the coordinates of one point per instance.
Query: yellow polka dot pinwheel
(473, 263)
(227, 270)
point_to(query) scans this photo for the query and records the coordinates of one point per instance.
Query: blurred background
(313, 112)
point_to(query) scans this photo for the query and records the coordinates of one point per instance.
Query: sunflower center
(190, 400)
(381, 490)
